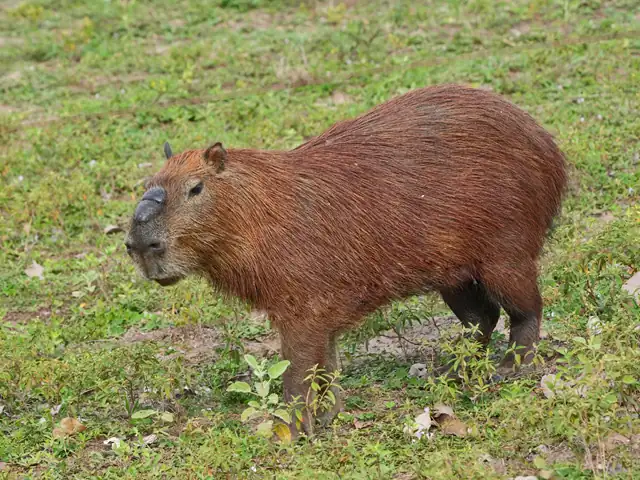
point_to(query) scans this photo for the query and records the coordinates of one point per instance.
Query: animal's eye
(197, 190)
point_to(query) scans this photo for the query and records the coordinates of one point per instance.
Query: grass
(89, 93)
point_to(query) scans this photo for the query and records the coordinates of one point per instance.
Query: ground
(89, 92)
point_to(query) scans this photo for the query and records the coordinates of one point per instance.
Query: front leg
(305, 350)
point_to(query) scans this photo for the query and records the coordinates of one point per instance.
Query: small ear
(167, 150)
(216, 156)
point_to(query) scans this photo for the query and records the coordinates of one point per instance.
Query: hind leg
(517, 289)
(473, 305)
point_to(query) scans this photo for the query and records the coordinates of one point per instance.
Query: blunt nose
(153, 246)
(150, 205)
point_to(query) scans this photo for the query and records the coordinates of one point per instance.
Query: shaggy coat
(445, 188)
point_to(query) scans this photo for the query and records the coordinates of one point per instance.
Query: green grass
(89, 91)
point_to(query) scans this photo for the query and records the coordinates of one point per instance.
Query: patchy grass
(89, 93)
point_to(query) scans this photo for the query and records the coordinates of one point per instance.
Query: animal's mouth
(165, 282)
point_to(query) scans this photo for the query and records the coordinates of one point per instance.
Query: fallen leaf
(418, 370)
(615, 439)
(453, 426)
(3, 466)
(440, 410)
(550, 383)
(167, 417)
(594, 326)
(110, 229)
(145, 165)
(283, 432)
(362, 424)
(632, 286)
(423, 422)
(149, 439)
(447, 421)
(35, 270)
(115, 441)
(71, 426)
(55, 410)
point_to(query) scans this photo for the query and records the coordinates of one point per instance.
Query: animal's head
(169, 225)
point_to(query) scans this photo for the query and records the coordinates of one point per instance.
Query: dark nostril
(128, 246)
(156, 247)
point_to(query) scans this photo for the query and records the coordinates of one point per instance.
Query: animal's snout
(151, 205)
(143, 239)
(144, 246)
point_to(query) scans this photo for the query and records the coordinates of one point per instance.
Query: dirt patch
(21, 317)
(416, 341)
(255, 20)
(197, 344)
(11, 78)
(553, 454)
(7, 41)
(114, 80)
(7, 109)
(520, 28)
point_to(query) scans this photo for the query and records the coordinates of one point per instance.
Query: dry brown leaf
(71, 426)
(453, 426)
(447, 421)
(360, 424)
(35, 270)
(440, 410)
(632, 286)
(615, 439)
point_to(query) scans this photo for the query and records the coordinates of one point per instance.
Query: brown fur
(444, 188)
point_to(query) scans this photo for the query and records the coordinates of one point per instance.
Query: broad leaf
(242, 387)
(283, 432)
(251, 360)
(283, 415)
(248, 413)
(262, 388)
(278, 369)
(140, 414)
(265, 429)
(167, 417)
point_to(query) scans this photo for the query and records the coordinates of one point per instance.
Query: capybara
(444, 188)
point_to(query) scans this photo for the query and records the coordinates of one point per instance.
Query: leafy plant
(267, 405)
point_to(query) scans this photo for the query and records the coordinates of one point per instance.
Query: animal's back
(451, 173)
